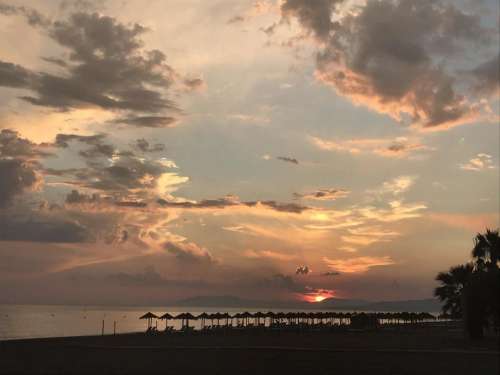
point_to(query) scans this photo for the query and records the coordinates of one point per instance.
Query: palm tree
(486, 255)
(451, 289)
(486, 251)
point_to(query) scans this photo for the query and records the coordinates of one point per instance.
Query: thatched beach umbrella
(149, 316)
(166, 317)
(271, 316)
(246, 315)
(185, 317)
(258, 315)
(203, 316)
(237, 316)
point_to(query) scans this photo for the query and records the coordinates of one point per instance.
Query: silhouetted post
(114, 327)
(102, 329)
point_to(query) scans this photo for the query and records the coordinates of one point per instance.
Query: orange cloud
(470, 222)
(357, 265)
(400, 147)
(259, 254)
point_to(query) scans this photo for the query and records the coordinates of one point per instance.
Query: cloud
(120, 172)
(472, 223)
(236, 19)
(331, 273)
(357, 265)
(188, 252)
(323, 195)
(32, 16)
(151, 278)
(144, 146)
(398, 210)
(194, 84)
(232, 201)
(12, 75)
(288, 159)
(387, 55)
(16, 177)
(12, 145)
(314, 16)
(396, 186)
(258, 8)
(400, 147)
(107, 67)
(41, 228)
(486, 76)
(479, 163)
(267, 254)
(147, 121)
(303, 270)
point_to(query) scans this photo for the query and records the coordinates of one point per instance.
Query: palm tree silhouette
(486, 251)
(451, 289)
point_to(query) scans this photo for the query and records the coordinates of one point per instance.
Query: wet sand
(409, 350)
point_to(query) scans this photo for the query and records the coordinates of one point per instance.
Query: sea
(37, 321)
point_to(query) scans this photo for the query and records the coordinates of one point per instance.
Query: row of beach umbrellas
(290, 317)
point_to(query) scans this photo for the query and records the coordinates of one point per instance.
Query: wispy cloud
(400, 147)
(269, 254)
(330, 194)
(357, 265)
(479, 163)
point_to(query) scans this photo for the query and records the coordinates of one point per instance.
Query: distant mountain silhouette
(422, 305)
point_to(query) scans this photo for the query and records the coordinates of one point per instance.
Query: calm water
(30, 321)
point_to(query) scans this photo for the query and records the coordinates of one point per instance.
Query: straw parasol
(166, 317)
(259, 315)
(185, 318)
(203, 316)
(271, 317)
(246, 315)
(149, 316)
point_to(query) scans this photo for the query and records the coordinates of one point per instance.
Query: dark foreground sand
(425, 350)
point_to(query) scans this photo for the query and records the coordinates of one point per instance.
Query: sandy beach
(405, 350)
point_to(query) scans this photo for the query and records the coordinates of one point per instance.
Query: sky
(288, 150)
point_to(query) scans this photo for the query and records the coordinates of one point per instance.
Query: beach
(402, 350)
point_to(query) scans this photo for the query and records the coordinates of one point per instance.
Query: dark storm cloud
(315, 16)
(282, 207)
(75, 197)
(107, 68)
(147, 121)
(108, 168)
(288, 159)
(12, 75)
(97, 142)
(487, 76)
(144, 146)
(323, 194)
(63, 140)
(12, 145)
(387, 55)
(33, 17)
(330, 273)
(16, 176)
(37, 228)
(230, 202)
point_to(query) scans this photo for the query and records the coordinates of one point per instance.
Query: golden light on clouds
(357, 264)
